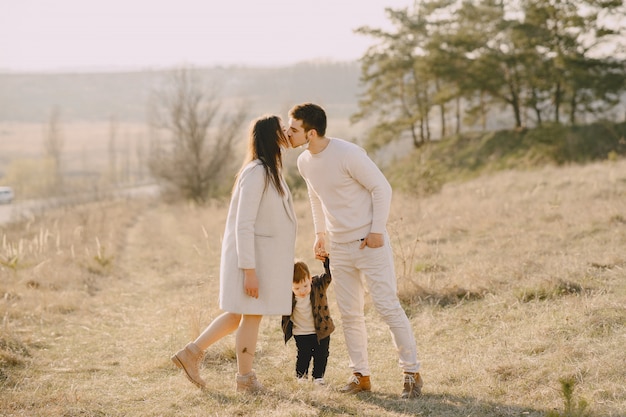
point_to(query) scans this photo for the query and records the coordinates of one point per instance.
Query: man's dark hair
(312, 117)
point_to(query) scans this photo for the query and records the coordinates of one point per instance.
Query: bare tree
(126, 167)
(199, 137)
(113, 174)
(53, 147)
(140, 157)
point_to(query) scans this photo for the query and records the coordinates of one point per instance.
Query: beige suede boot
(249, 383)
(188, 359)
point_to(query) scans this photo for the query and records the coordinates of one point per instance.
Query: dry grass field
(513, 282)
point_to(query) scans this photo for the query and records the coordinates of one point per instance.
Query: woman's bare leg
(221, 326)
(245, 343)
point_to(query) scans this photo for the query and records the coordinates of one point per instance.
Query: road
(24, 209)
(6, 212)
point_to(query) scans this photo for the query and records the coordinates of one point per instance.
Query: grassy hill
(467, 156)
(513, 281)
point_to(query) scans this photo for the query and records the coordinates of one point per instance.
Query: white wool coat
(261, 234)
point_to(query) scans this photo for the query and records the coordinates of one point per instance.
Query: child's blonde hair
(300, 272)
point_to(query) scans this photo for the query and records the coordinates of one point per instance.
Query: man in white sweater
(350, 201)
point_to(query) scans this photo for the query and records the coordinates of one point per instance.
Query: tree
(199, 141)
(53, 147)
(399, 85)
(112, 149)
(461, 56)
(566, 32)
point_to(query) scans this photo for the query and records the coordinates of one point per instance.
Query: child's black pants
(308, 347)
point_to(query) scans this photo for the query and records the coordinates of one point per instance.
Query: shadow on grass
(217, 396)
(445, 405)
(436, 405)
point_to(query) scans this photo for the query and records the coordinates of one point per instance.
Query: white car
(6, 195)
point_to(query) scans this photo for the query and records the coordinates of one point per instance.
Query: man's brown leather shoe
(412, 385)
(357, 383)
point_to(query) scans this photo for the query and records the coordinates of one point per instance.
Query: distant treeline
(31, 97)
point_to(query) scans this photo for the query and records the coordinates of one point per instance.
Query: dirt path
(157, 305)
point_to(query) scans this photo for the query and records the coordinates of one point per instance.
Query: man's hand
(251, 283)
(373, 240)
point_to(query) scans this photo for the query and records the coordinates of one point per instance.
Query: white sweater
(350, 197)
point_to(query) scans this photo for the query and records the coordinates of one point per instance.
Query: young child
(310, 322)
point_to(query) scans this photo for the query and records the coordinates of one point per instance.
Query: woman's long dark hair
(264, 143)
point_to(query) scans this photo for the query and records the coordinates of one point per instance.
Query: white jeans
(349, 265)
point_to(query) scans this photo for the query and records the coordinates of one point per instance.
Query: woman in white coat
(256, 267)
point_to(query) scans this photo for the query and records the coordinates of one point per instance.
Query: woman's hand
(250, 283)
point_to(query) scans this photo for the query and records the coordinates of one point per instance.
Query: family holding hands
(350, 201)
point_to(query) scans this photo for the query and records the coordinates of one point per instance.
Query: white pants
(349, 265)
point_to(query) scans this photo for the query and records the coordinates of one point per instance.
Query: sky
(111, 35)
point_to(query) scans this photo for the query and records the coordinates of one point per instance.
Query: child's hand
(326, 263)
